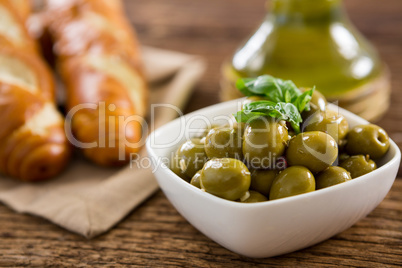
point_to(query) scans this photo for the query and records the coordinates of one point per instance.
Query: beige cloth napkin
(89, 200)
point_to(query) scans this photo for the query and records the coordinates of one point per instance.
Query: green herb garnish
(280, 110)
(286, 101)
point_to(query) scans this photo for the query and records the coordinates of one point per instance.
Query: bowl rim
(216, 199)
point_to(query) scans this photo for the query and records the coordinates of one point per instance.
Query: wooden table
(155, 234)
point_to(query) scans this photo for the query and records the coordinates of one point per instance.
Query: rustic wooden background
(155, 234)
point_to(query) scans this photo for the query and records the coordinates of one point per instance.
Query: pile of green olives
(265, 160)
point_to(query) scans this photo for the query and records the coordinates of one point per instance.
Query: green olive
(329, 122)
(318, 103)
(292, 181)
(253, 99)
(190, 157)
(254, 197)
(204, 132)
(261, 180)
(224, 142)
(228, 178)
(195, 181)
(175, 167)
(318, 100)
(314, 150)
(358, 165)
(369, 140)
(264, 141)
(332, 176)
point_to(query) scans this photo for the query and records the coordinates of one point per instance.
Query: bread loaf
(98, 57)
(33, 145)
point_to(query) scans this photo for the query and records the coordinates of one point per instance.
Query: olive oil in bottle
(312, 42)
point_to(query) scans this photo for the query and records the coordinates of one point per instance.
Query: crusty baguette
(98, 58)
(33, 145)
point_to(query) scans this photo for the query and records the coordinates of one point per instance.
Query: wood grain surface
(155, 235)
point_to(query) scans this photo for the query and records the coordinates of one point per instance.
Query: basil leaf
(290, 88)
(287, 102)
(271, 88)
(275, 89)
(245, 116)
(259, 105)
(280, 110)
(264, 85)
(288, 98)
(303, 101)
(241, 85)
(292, 113)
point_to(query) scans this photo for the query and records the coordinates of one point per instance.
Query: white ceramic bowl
(269, 228)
